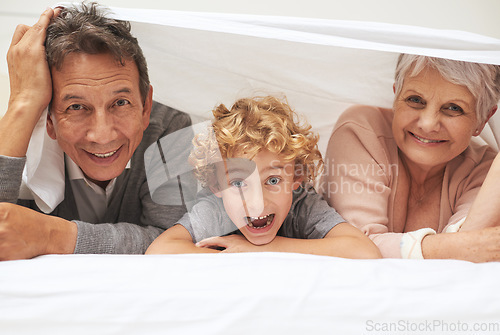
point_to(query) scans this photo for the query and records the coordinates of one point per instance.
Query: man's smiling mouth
(106, 155)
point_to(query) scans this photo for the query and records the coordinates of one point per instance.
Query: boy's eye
(273, 181)
(237, 183)
(415, 101)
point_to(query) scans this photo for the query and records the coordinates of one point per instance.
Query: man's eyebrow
(123, 90)
(71, 97)
(77, 97)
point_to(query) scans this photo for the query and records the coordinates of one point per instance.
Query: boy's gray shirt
(132, 219)
(309, 217)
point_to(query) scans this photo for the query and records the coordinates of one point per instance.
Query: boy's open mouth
(260, 222)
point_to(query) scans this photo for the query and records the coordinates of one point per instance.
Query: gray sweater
(132, 219)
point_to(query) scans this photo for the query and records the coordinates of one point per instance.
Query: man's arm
(343, 240)
(25, 233)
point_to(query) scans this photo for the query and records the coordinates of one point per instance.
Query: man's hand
(25, 233)
(30, 85)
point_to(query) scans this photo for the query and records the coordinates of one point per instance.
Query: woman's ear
(481, 127)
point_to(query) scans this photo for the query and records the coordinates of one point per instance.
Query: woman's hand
(475, 246)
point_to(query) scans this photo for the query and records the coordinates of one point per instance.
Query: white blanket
(198, 60)
(249, 293)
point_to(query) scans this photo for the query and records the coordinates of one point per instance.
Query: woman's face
(434, 119)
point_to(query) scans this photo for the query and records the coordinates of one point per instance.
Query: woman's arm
(475, 246)
(485, 210)
(479, 238)
(176, 240)
(358, 176)
(343, 240)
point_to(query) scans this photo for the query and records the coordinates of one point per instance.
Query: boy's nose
(254, 201)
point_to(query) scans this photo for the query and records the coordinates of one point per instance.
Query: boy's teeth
(109, 154)
(259, 225)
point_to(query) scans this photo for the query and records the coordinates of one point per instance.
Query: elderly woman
(407, 174)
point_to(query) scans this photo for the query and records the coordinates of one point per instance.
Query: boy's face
(257, 194)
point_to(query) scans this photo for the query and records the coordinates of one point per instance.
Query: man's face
(257, 194)
(98, 116)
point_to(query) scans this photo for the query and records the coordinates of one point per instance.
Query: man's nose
(101, 127)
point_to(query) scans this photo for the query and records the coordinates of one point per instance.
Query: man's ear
(490, 114)
(50, 127)
(146, 111)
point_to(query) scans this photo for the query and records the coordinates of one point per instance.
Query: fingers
(19, 33)
(210, 242)
(38, 29)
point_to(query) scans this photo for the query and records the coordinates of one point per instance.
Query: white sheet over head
(198, 60)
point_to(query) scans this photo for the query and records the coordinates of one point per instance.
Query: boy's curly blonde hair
(254, 124)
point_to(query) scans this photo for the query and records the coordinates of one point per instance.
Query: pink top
(361, 177)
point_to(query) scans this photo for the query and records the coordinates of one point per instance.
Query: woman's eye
(237, 183)
(415, 101)
(273, 181)
(452, 110)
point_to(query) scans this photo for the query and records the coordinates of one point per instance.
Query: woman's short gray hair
(482, 80)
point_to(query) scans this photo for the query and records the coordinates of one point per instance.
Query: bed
(196, 62)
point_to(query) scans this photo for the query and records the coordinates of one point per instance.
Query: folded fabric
(43, 175)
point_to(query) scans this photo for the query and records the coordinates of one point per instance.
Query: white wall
(478, 16)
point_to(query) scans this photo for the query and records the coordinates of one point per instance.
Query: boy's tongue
(259, 222)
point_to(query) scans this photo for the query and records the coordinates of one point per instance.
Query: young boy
(257, 166)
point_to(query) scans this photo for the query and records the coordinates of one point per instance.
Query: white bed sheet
(197, 61)
(249, 293)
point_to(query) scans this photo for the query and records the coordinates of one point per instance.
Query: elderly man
(93, 73)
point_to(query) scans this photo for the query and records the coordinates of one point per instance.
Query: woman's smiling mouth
(425, 140)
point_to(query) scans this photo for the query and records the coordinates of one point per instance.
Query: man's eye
(273, 181)
(415, 101)
(122, 102)
(75, 107)
(237, 183)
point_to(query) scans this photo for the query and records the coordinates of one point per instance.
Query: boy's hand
(230, 243)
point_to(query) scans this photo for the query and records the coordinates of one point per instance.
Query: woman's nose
(429, 120)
